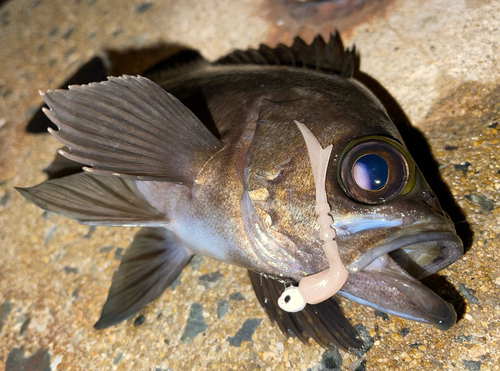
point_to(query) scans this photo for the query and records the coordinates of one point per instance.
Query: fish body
(218, 167)
(231, 184)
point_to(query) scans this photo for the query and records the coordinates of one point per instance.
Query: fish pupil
(370, 172)
(287, 298)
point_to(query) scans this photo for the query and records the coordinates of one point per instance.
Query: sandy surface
(438, 59)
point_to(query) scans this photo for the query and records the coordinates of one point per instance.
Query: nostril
(428, 197)
(432, 201)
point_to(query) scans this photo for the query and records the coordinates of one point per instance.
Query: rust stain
(291, 18)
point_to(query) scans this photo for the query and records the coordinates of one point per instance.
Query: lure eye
(375, 169)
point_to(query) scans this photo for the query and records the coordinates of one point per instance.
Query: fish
(206, 158)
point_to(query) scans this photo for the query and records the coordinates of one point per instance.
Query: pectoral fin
(150, 264)
(93, 199)
(131, 127)
(61, 166)
(94, 70)
(323, 322)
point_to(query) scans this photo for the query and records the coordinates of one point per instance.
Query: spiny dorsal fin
(130, 127)
(319, 55)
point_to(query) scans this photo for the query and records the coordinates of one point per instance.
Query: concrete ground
(438, 59)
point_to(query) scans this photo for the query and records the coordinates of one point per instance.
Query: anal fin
(323, 322)
(130, 127)
(150, 264)
(95, 200)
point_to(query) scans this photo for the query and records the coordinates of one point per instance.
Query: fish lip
(451, 249)
(379, 282)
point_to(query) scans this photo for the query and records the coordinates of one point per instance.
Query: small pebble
(245, 332)
(463, 166)
(69, 270)
(209, 280)
(143, 7)
(195, 323)
(176, 282)
(467, 294)
(118, 358)
(483, 202)
(195, 261)
(67, 34)
(472, 365)
(367, 340)
(4, 199)
(90, 231)
(404, 331)
(236, 296)
(119, 253)
(396, 336)
(106, 249)
(24, 326)
(48, 234)
(331, 359)
(361, 366)
(139, 320)
(222, 308)
(382, 315)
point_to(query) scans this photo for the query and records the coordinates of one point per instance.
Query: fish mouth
(387, 278)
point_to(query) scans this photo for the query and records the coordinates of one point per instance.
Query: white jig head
(291, 300)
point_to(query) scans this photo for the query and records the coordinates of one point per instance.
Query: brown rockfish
(207, 158)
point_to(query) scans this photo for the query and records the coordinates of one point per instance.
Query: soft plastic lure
(318, 287)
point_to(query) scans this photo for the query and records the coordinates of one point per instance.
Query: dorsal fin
(319, 55)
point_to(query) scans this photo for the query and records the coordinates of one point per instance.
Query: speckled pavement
(439, 61)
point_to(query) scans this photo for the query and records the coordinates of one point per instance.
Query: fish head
(391, 229)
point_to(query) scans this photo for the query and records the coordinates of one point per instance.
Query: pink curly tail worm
(318, 287)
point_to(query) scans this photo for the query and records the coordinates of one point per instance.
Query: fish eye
(375, 169)
(370, 172)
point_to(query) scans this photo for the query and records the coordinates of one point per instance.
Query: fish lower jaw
(385, 286)
(442, 324)
(387, 278)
